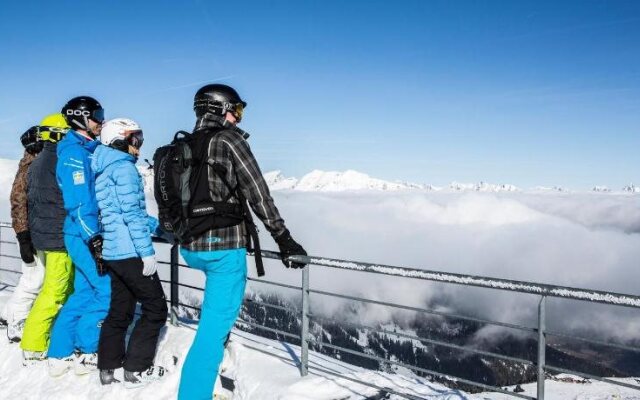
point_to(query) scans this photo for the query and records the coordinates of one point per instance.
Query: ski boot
(133, 379)
(60, 366)
(107, 377)
(85, 363)
(222, 394)
(14, 331)
(223, 388)
(31, 358)
(3, 323)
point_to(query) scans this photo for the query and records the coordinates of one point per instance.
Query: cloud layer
(581, 240)
(587, 240)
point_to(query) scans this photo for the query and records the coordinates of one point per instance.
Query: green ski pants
(57, 286)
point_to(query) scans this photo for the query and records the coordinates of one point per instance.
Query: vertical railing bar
(174, 288)
(541, 347)
(304, 348)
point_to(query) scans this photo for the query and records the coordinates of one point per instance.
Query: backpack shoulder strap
(252, 230)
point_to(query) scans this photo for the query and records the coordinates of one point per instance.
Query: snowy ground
(250, 362)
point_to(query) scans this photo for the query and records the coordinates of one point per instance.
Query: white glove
(150, 265)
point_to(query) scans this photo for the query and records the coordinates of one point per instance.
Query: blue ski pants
(226, 278)
(79, 321)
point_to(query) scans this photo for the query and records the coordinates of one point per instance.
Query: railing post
(541, 347)
(174, 278)
(304, 357)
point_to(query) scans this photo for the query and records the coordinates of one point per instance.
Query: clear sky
(522, 92)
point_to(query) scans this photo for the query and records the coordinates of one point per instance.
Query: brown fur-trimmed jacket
(18, 199)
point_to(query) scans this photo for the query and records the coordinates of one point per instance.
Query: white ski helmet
(121, 129)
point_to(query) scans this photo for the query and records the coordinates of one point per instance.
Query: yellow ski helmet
(53, 127)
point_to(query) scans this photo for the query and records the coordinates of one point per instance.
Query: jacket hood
(72, 137)
(105, 156)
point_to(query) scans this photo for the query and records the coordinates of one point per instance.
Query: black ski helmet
(31, 142)
(79, 110)
(216, 99)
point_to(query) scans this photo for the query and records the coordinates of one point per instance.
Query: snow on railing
(596, 296)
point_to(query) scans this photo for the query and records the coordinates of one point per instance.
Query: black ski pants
(129, 286)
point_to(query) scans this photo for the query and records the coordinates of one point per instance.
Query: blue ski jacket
(120, 193)
(76, 181)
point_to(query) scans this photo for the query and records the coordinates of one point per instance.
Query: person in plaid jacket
(221, 253)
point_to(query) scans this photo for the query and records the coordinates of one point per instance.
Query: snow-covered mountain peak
(483, 187)
(550, 189)
(332, 181)
(277, 181)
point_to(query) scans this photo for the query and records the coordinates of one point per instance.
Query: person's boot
(60, 366)
(31, 358)
(85, 363)
(107, 377)
(223, 388)
(133, 379)
(15, 330)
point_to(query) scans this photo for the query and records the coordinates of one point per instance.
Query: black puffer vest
(45, 205)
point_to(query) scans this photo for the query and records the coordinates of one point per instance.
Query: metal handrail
(539, 289)
(593, 341)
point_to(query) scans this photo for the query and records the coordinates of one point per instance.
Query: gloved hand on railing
(150, 266)
(95, 247)
(289, 247)
(27, 251)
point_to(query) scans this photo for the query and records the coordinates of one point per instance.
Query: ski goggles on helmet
(98, 116)
(135, 138)
(51, 133)
(237, 110)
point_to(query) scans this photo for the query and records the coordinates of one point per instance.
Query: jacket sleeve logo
(78, 177)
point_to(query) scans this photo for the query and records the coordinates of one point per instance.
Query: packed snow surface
(261, 368)
(265, 369)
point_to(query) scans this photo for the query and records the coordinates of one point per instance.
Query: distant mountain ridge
(350, 180)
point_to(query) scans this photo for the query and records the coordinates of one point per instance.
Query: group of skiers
(85, 240)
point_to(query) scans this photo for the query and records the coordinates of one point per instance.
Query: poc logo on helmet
(79, 113)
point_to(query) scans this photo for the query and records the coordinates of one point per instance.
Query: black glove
(95, 247)
(289, 247)
(27, 251)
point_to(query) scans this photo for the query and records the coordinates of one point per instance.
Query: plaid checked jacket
(229, 147)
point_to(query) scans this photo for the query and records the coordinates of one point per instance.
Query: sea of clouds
(581, 239)
(587, 240)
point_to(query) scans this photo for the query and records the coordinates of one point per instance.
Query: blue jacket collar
(105, 156)
(89, 144)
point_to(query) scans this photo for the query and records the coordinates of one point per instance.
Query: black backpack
(181, 189)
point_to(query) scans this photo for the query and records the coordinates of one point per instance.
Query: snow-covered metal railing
(544, 291)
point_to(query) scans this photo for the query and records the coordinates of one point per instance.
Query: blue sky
(529, 93)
